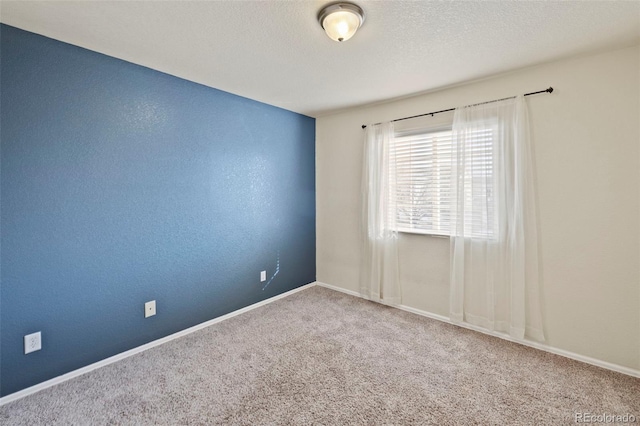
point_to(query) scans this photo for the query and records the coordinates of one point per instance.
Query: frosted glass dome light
(341, 20)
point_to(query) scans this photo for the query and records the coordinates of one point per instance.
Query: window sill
(425, 233)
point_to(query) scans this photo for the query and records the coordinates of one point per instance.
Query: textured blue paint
(121, 185)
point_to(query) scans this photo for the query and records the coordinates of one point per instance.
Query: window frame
(423, 131)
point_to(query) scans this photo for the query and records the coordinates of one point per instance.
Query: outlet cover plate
(32, 342)
(150, 309)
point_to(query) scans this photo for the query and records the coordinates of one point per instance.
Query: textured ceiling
(276, 52)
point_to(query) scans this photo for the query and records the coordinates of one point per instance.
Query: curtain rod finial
(364, 126)
(550, 89)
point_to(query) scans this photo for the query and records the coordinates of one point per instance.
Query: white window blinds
(475, 163)
(422, 182)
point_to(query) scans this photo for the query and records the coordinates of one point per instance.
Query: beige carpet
(322, 357)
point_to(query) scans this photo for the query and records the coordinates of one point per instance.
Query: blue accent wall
(120, 185)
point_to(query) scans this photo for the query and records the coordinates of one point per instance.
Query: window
(423, 183)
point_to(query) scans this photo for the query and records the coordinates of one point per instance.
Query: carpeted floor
(323, 357)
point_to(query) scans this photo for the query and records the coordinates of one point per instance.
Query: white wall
(586, 139)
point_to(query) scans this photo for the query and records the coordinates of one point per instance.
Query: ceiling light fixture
(341, 20)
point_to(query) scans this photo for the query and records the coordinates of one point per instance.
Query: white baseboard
(75, 373)
(567, 354)
(340, 289)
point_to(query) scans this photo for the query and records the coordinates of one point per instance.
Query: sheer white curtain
(494, 254)
(379, 278)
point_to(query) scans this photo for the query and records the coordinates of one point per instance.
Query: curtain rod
(549, 90)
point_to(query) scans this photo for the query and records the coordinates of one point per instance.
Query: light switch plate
(263, 276)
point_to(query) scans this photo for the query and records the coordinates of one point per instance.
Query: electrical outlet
(32, 342)
(150, 309)
(263, 276)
